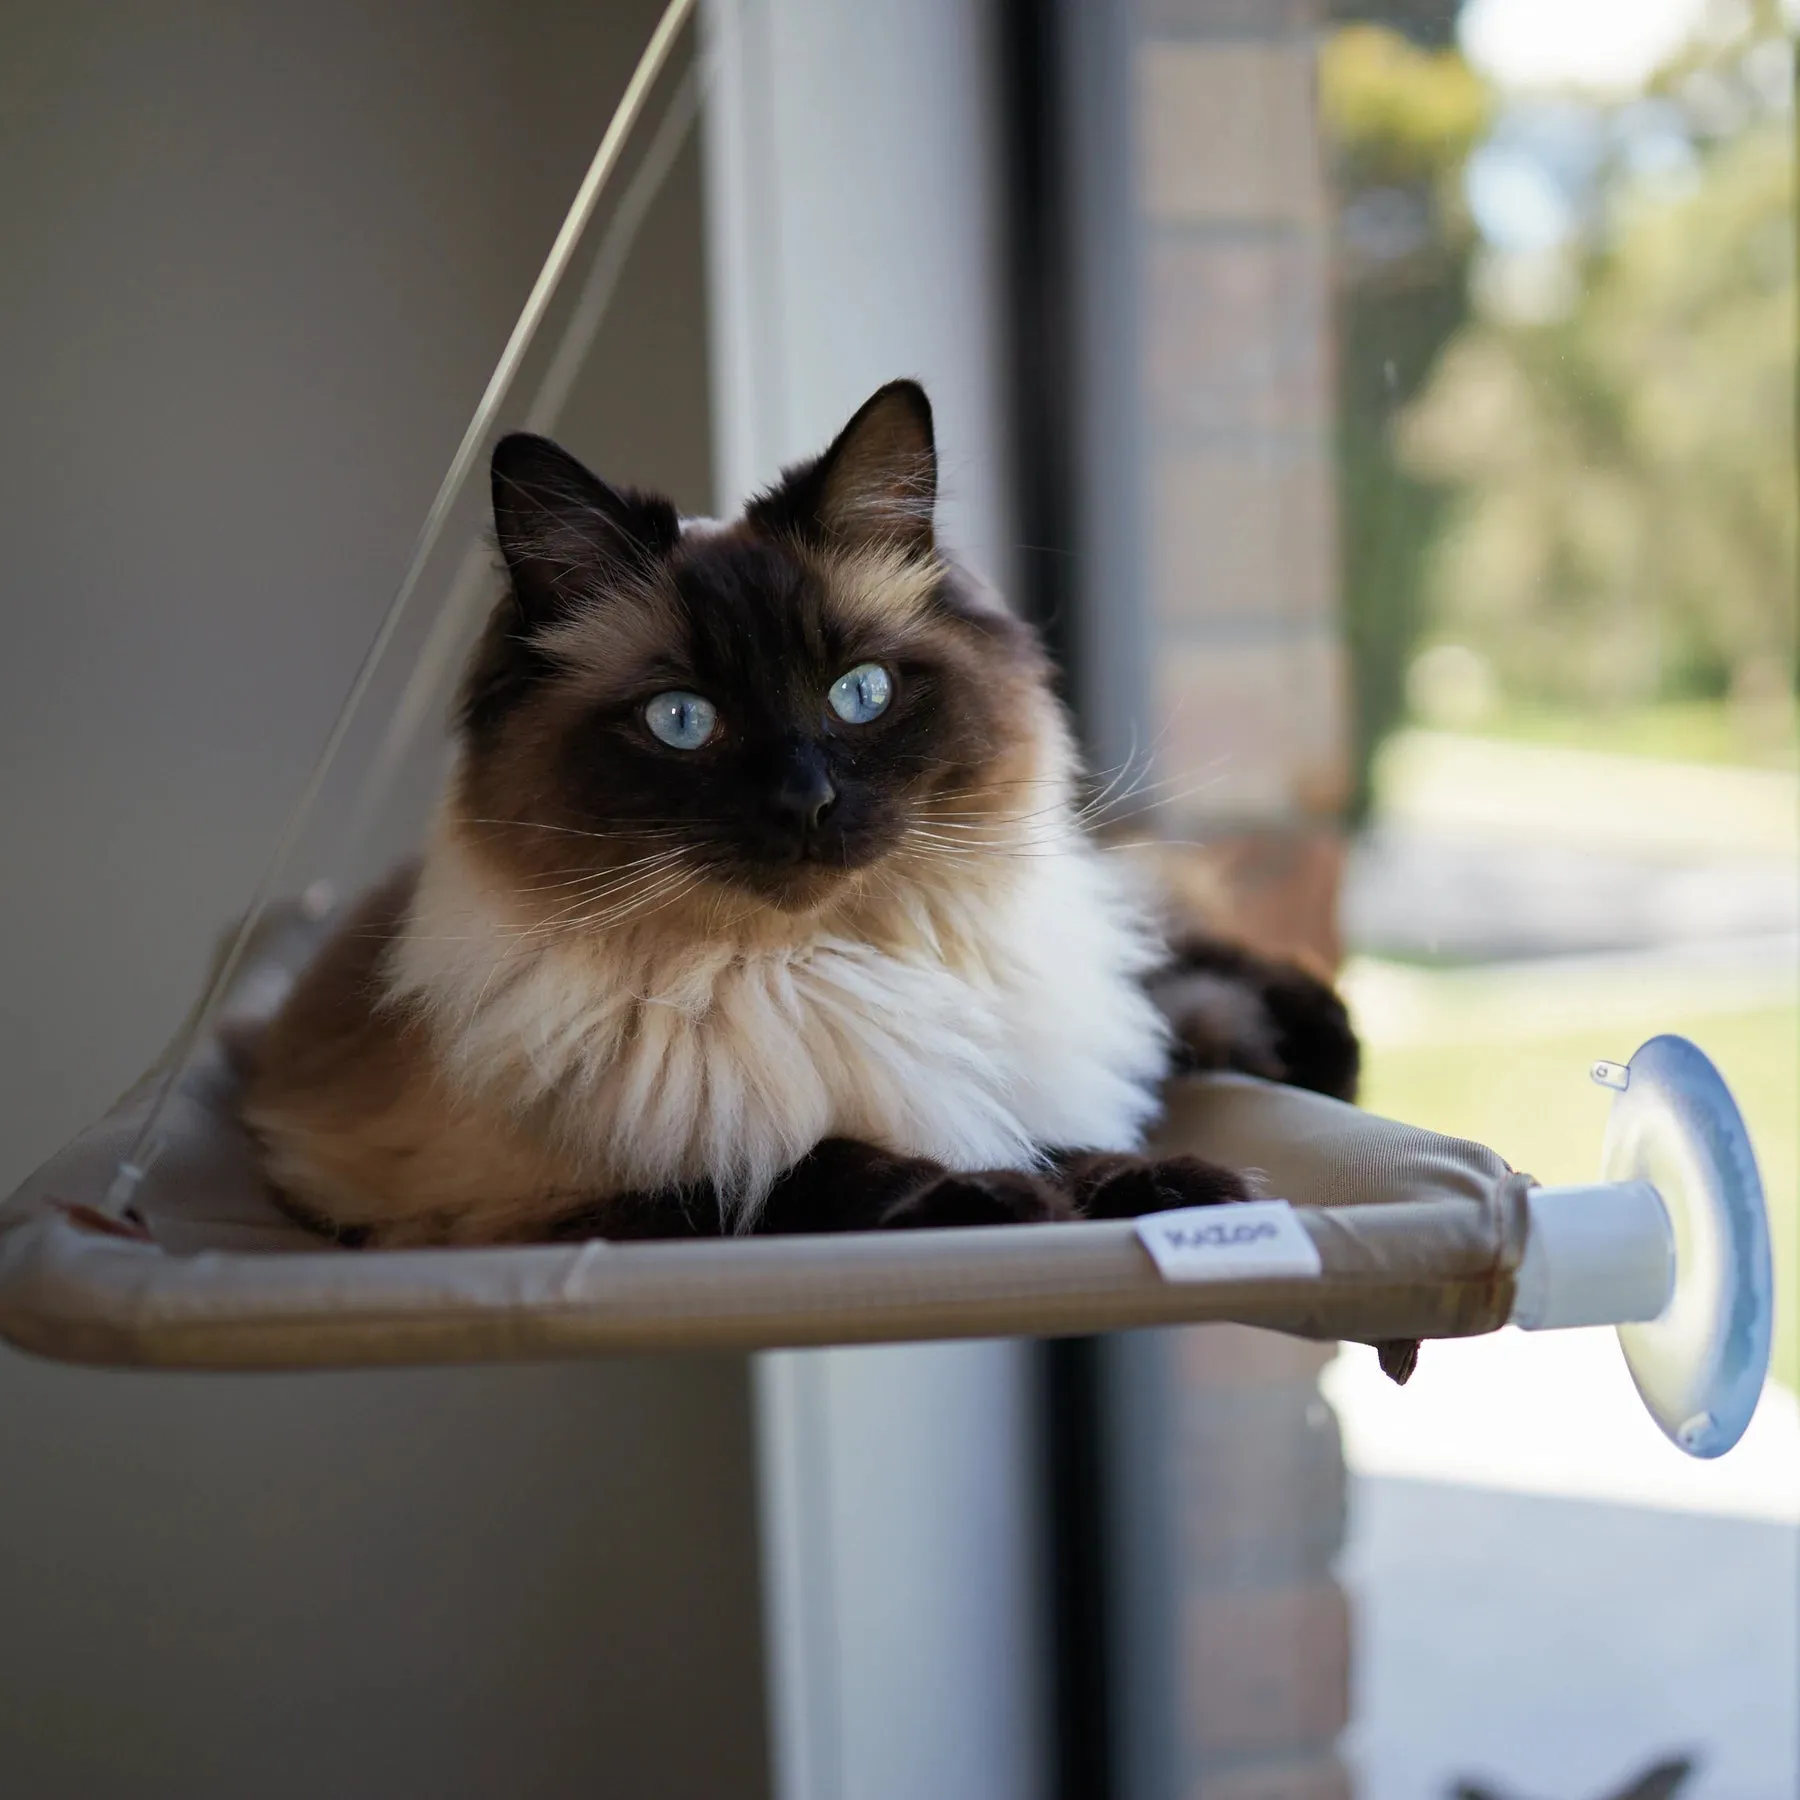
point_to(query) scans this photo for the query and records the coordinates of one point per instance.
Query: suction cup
(1700, 1363)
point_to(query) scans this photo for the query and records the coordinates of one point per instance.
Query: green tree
(1620, 475)
(1401, 118)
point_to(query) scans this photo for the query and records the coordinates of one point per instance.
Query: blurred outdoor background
(1387, 407)
(1567, 484)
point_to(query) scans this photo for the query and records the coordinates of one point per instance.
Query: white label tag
(1229, 1243)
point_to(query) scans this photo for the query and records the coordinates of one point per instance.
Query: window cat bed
(153, 1240)
(1417, 1235)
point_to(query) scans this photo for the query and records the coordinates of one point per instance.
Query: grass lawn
(1529, 1097)
(1708, 731)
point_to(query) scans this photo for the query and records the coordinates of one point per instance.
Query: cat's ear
(566, 536)
(877, 484)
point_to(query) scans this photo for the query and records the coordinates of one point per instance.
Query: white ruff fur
(1003, 1017)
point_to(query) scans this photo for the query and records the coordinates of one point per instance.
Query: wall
(1248, 703)
(259, 260)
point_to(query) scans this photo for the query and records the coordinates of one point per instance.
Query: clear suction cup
(1671, 1245)
(1700, 1363)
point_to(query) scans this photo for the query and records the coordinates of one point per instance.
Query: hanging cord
(562, 251)
(469, 590)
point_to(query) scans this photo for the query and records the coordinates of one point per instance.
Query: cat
(759, 899)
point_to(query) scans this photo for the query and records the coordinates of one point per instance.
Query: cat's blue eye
(682, 721)
(861, 695)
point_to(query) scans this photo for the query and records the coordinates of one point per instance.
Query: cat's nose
(805, 795)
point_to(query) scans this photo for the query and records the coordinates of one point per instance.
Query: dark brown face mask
(771, 701)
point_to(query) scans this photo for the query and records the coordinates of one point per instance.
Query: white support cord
(562, 252)
(446, 639)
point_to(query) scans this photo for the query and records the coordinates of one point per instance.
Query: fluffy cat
(759, 900)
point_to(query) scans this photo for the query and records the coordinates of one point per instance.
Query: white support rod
(1602, 1254)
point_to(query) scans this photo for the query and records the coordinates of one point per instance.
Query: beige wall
(258, 261)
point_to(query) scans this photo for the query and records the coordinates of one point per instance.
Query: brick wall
(1248, 704)
(1250, 683)
(1263, 1633)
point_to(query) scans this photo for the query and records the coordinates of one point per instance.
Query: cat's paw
(1315, 1041)
(1144, 1185)
(991, 1197)
(1233, 1010)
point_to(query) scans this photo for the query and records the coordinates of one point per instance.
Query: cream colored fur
(977, 1009)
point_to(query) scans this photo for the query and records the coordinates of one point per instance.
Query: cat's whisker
(648, 888)
(632, 910)
(1126, 772)
(679, 894)
(1127, 781)
(1110, 776)
(1058, 809)
(973, 845)
(1160, 843)
(1058, 784)
(1153, 799)
(573, 917)
(584, 906)
(950, 851)
(1054, 829)
(615, 872)
(659, 858)
(1142, 799)
(526, 947)
(551, 925)
(630, 829)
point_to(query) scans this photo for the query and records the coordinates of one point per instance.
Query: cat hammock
(153, 1240)
(1381, 1231)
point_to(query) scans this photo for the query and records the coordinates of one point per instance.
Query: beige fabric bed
(1418, 1235)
